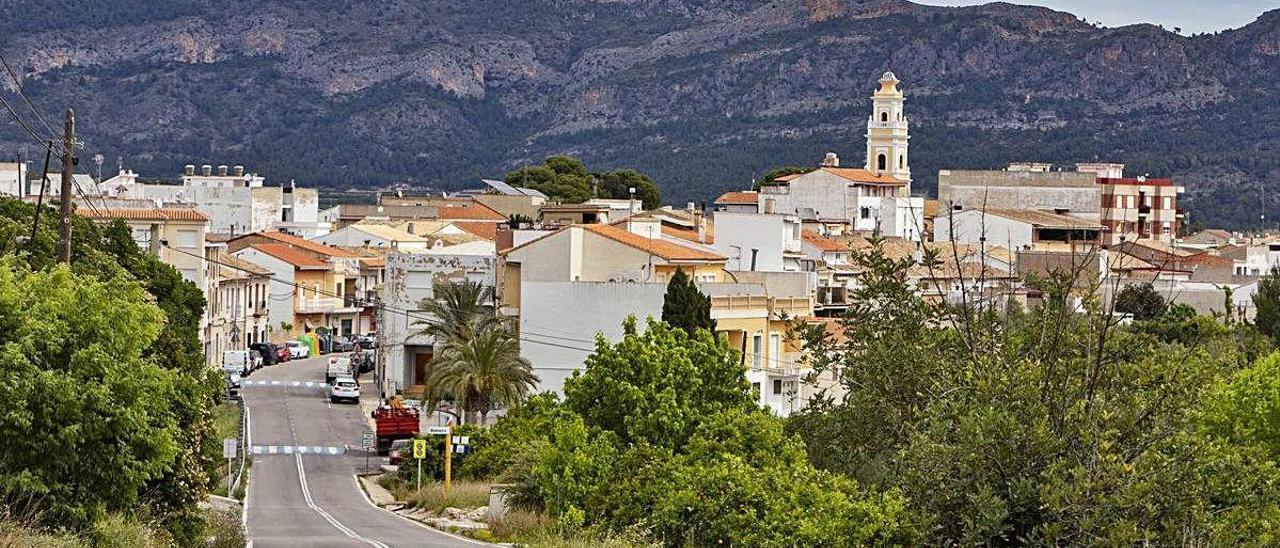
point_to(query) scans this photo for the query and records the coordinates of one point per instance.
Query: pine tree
(1266, 300)
(685, 307)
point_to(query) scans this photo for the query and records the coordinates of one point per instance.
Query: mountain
(702, 94)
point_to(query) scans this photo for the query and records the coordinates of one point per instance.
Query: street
(302, 489)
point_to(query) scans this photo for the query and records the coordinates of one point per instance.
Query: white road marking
(306, 495)
(244, 510)
(369, 501)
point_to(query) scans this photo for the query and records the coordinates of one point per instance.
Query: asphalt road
(310, 499)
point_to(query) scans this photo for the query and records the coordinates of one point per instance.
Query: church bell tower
(887, 133)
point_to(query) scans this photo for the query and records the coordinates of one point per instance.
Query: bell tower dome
(887, 133)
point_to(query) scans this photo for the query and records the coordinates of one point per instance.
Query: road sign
(367, 440)
(229, 448)
(438, 430)
(419, 448)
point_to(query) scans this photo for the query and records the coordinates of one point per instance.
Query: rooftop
(662, 248)
(823, 243)
(289, 239)
(1043, 219)
(387, 232)
(741, 198)
(473, 212)
(144, 214)
(296, 257)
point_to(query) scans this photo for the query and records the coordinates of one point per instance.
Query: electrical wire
(385, 308)
(23, 94)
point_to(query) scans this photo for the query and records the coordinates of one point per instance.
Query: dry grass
(431, 497)
(536, 530)
(15, 533)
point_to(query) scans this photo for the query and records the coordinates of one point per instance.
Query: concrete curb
(360, 486)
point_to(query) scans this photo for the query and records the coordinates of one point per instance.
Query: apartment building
(312, 282)
(183, 229)
(237, 309)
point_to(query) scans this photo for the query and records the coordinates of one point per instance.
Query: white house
(375, 235)
(764, 242)
(1014, 229)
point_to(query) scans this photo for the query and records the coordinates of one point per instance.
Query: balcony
(323, 305)
(259, 310)
(832, 297)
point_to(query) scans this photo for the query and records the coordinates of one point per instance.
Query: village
(274, 266)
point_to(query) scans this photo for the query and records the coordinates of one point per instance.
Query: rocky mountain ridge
(703, 94)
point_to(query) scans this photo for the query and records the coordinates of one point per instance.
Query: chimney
(831, 160)
(238, 171)
(206, 170)
(189, 169)
(768, 205)
(222, 170)
(689, 206)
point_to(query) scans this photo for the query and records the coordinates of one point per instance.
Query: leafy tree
(479, 369)
(657, 386)
(685, 307)
(1142, 301)
(618, 184)
(561, 178)
(1246, 407)
(1266, 301)
(87, 421)
(1034, 428)
(107, 254)
(772, 174)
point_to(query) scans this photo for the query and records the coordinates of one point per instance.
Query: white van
(339, 366)
(239, 362)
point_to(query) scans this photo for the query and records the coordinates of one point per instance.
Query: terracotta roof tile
(689, 234)
(473, 212)
(315, 247)
(823, 243)
(667, 250)
(740, 198)
(481, 229)
(144, 214)
(291, 255)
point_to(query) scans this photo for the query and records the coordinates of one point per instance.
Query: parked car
(239, 362)
(283, 353)
(297, 350)
(270, 356)
(344, 389)
(343, 344)
(401, 450)
(367, 341)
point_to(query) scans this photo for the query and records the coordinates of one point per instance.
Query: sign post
(366, 443)
(448, 461)
(229, 452)
(419, 453)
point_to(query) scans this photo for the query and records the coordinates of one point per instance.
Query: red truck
(394, 423)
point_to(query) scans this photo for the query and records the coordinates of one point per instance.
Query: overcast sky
(1191, 15)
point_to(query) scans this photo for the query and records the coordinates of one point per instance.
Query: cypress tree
(685, 307)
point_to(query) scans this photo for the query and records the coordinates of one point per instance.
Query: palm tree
(458, 309)
(480, 369)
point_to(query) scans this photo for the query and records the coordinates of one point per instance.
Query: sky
(1192, 16)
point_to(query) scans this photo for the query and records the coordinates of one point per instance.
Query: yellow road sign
(419, 449)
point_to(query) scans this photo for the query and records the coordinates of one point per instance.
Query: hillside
(702, 94)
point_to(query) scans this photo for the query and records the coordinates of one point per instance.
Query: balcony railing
(315, 305)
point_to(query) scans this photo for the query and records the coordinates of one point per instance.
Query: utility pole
(68, 168)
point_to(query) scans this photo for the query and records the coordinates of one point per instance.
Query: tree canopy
(173, 482)
(568, 180)
(1142, 301)
(685, 307)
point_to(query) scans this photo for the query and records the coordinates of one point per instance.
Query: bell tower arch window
(881, 162)
(884, 116)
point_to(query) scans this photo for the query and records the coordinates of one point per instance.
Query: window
(775, 347)
(757, 343)
(884, 116)
(902, 161)
(881, 162)
(755, 390)
(188, 239)
(777, 386)
(864, 213)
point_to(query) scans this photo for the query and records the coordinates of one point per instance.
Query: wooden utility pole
(68, 169)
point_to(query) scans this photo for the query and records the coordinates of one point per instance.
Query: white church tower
(887, 133)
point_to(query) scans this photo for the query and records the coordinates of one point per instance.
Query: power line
(22, 93)
(385, 308)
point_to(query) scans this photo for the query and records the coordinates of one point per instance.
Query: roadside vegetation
(106, 409)
(972, 423)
